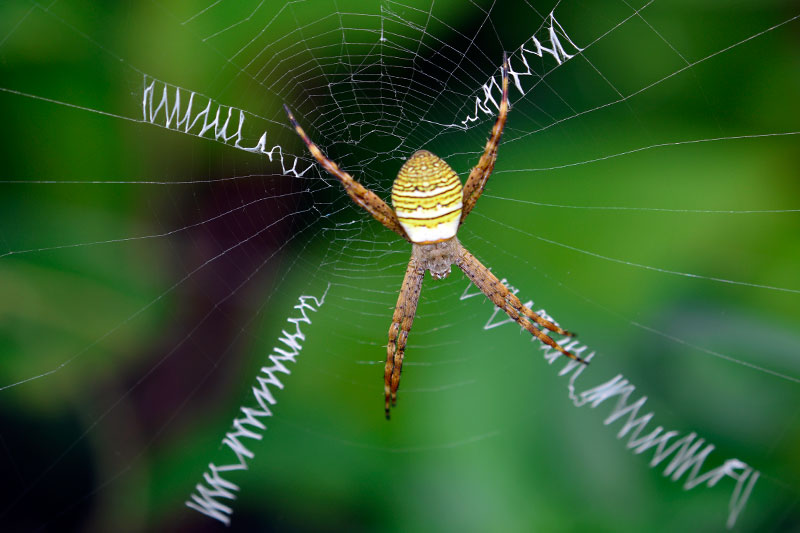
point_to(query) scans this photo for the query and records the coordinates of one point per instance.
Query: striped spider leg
(362, 196)
(429, 206)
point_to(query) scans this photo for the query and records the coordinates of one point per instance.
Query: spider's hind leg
(479, 175)
(362, 196)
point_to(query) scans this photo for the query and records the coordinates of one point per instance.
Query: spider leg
(480, 174)
(398, 332)
(362, 196)
(499, 294)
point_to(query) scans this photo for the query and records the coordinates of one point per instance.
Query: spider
(429, 206)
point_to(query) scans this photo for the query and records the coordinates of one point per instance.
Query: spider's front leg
(499, 294)
(403, 317)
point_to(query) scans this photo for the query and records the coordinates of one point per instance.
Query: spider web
(182, 290)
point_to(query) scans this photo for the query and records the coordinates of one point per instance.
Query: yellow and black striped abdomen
(427, 198)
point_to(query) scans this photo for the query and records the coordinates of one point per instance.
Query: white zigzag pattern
(192, 113)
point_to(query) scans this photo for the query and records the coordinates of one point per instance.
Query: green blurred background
(145, 275)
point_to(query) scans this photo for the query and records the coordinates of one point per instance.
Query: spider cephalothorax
(429, 206)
